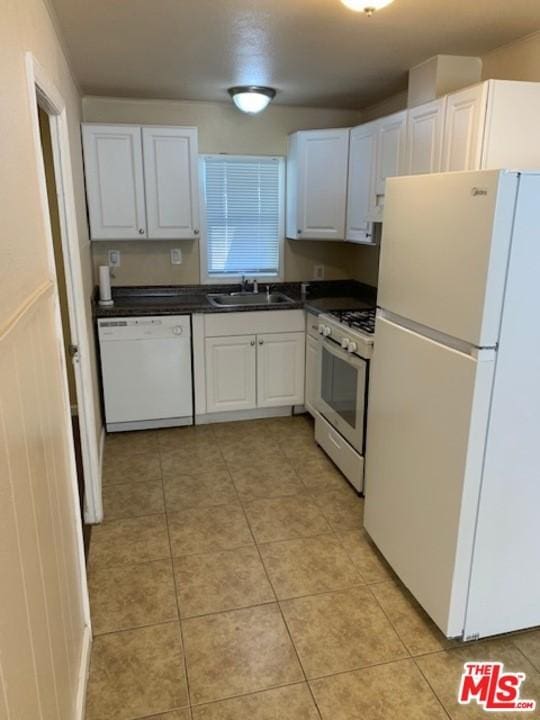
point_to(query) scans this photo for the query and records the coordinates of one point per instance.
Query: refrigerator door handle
(447, 340)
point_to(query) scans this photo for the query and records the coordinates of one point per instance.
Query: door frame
(42, 92)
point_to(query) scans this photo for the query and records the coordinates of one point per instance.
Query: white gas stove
(346, 349)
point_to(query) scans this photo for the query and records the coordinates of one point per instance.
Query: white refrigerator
(453, 434)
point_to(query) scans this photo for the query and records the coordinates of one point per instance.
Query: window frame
(225, 279)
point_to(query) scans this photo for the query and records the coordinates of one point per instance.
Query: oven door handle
(342, 354)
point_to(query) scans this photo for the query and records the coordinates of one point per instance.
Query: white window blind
(243, 198)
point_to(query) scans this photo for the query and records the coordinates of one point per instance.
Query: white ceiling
(314, 52)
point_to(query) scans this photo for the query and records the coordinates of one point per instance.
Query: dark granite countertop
(321, 297)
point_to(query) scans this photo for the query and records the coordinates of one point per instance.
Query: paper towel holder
(105, 294)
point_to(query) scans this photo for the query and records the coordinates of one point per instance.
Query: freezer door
(428, 410)
(444, 253)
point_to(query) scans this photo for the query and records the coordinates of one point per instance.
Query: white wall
(42, 596)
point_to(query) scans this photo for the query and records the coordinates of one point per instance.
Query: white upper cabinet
(361, 190)
(425, 131)
(493, 125)
(114, 181)
(170, 174)
(317, 184)
(280, 369)
(141, 183)
(464, 128)
(389, 162)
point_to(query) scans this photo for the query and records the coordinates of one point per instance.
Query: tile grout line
(411, 656)
(435, 694)
(291, 640)
(184, 657)
(260, 691)
(331, 533)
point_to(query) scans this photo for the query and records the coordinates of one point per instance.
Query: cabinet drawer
(254, 323)
(340, 452)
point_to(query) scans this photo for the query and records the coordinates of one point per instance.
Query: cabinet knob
(261, 342)
(195, 232)
(299, 232)
(141, 231)
(252, 343)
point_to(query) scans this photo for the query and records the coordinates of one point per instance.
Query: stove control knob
(327, 331)
(177, 330)
(345, 343)
(321, 329)
(353, 347)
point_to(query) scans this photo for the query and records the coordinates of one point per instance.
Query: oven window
(339, 386)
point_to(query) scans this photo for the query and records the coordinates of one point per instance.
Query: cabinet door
(362, 153)
(114, 182)
(389, 160)
(230, 373)
(312, 374)
(322, 184)
(464, 129)
(280, 369)
(425, 126)
(170, 176)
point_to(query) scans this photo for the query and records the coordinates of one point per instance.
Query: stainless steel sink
(243, 299)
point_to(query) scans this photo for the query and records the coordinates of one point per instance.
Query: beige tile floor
(232, 579)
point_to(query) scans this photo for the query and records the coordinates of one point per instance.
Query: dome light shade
(367, 6)
(252, 99)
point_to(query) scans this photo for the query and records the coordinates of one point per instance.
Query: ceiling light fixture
(252, 99)
(367, 6)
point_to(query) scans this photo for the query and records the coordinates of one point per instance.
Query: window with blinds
(244, 214)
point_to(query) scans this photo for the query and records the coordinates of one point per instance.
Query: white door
(425, 126)
(464, 128)
(322, 184)
(170, 174)
(313, 351)
(361, 192)
(426, 430)
(280, 369)
(114, 182)
(444, 252)
(230, 373)
(389, 161)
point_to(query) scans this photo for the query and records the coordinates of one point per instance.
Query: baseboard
(150, 424)
(255, 414)
(84, 669)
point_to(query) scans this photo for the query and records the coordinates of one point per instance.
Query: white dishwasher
(146, 370)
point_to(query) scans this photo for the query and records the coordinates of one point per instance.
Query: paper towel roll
(105, 296)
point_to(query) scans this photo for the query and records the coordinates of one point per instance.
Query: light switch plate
(176, 256)
(318, 272)
(114, 258)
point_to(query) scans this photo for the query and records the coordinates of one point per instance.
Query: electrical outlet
(176, 256)
(318, 272)
(114, 258)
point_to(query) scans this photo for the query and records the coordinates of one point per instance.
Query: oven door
(342, 395)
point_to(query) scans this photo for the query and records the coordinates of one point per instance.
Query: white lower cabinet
(252, 361)
(231, 373)
(280, 369)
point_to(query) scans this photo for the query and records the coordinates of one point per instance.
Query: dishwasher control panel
(166, 326)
